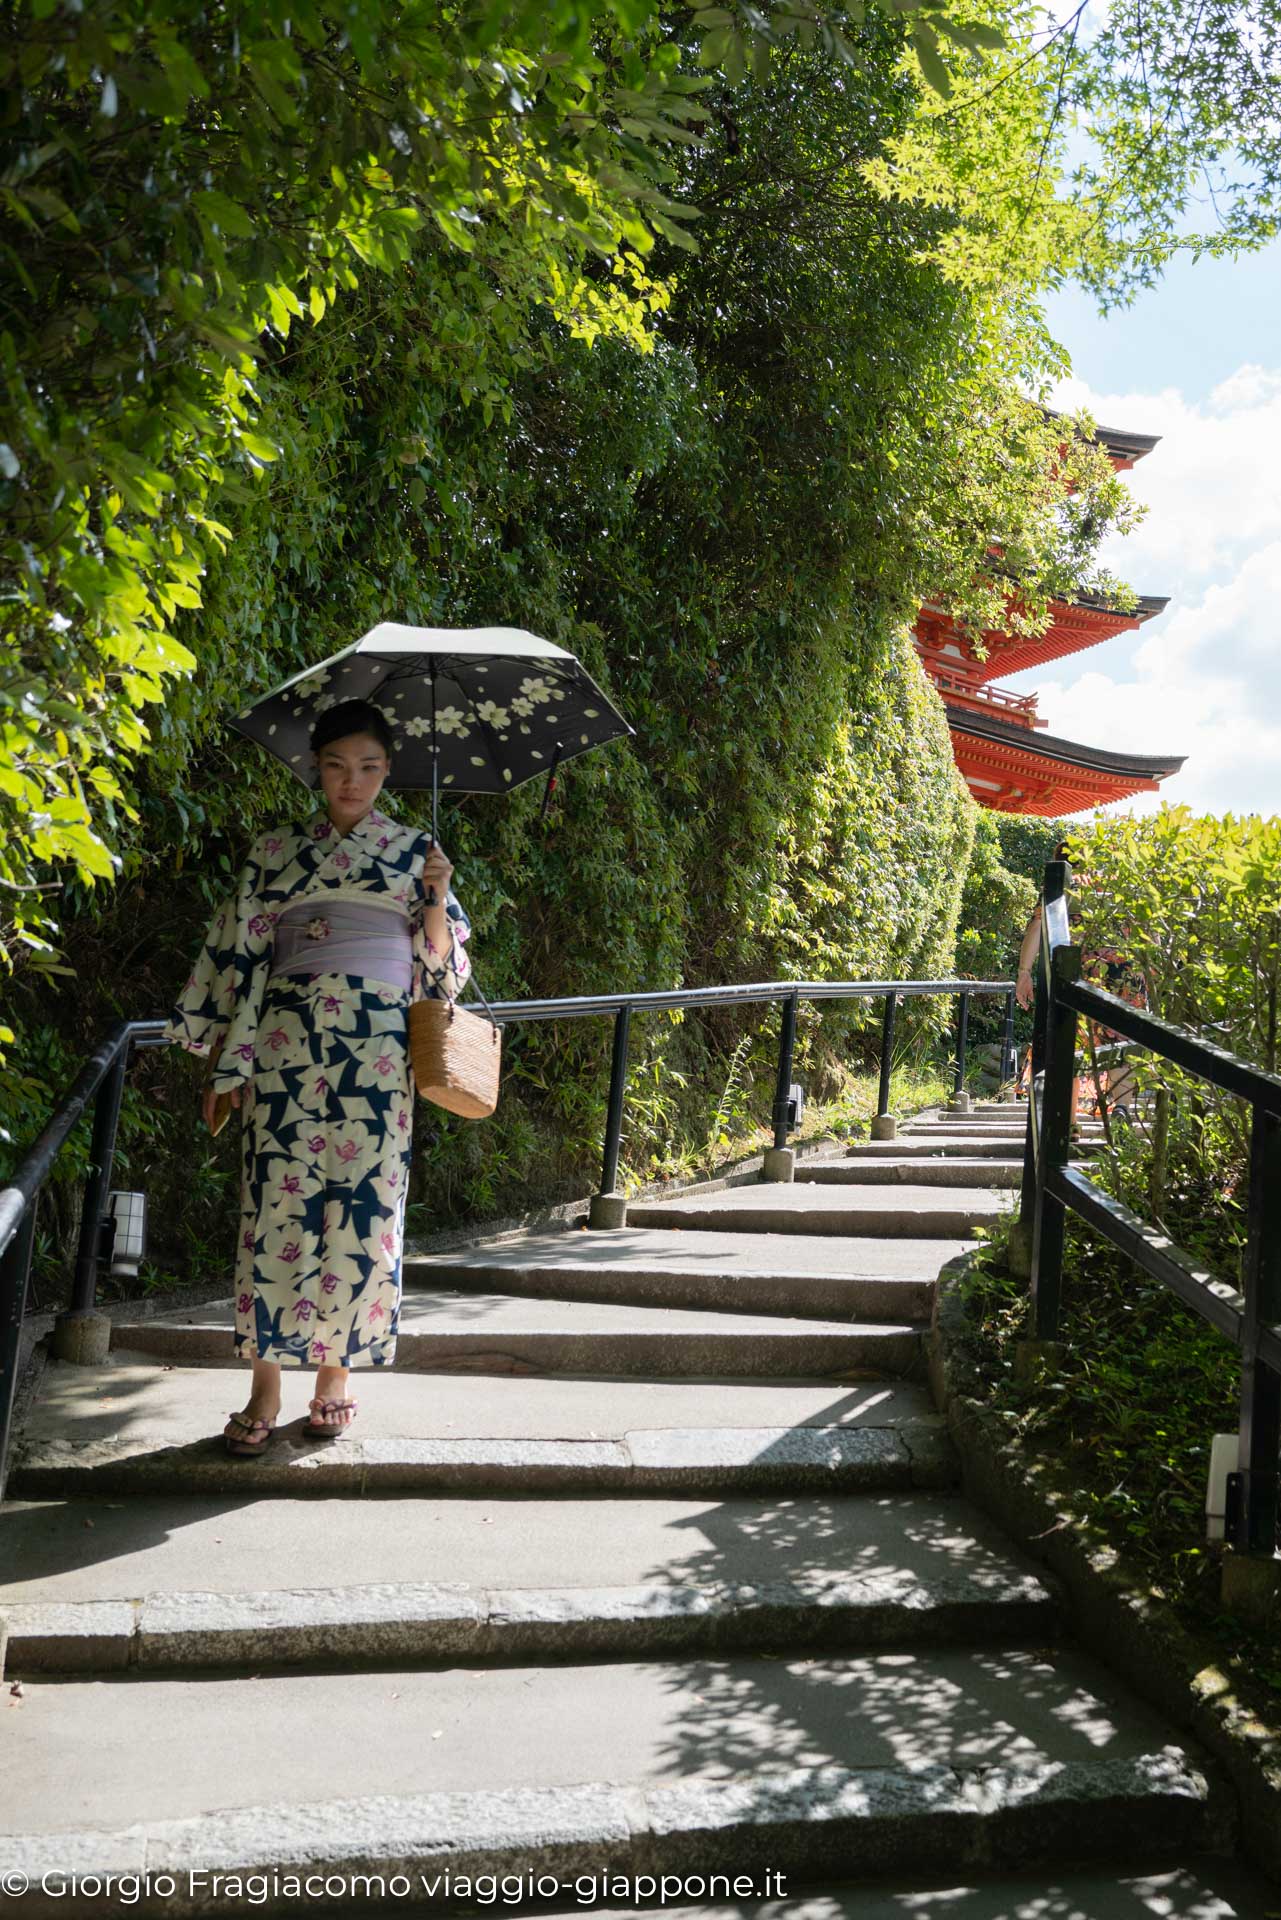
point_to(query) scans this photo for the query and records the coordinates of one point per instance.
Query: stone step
(840, 1766)
(445, 1330)
(165, 1583)
(907, 1171)
(792, 1274)
(138, 1426)
(1000, 1116)
(935, 1145)
(916, 1212)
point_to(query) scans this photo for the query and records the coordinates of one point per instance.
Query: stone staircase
(680, 1493)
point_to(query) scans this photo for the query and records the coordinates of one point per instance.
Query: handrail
(764, 990)
(1249, 1316)
(102, 1081)
(102, 1075)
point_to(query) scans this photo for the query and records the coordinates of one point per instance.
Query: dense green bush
(1194, 905)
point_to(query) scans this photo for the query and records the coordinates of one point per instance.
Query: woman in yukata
(300, 1001)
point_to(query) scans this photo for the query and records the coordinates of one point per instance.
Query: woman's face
(352, 771)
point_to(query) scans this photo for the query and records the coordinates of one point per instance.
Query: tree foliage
(1194, 905)
(1100, 153)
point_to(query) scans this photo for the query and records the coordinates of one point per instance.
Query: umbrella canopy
(480, 709)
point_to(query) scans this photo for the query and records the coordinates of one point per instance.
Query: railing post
(786, 1044)
(102, 1151)
(887, 1056)
(1009, 1064)
(1255, 1528)
(884, 1123)
(1052, 887)
(1055, 1145)
(81, 1335)
(962, 1035)
(607, 1209)
(15, 1274)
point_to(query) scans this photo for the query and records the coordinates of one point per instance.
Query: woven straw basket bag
(455, 1055)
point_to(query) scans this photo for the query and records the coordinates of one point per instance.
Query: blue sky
(1198, 361)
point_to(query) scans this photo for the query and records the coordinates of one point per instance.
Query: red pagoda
(1007, 762)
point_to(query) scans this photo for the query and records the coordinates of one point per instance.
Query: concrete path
(647, 1557)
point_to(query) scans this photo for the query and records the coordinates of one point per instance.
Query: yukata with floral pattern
(322, 1062)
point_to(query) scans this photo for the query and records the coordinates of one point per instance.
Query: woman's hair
(351, 716)
(1063, 851)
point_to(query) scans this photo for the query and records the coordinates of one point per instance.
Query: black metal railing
(103, 1076)
(102, 1080)
(1249, 1316)
(790, 993)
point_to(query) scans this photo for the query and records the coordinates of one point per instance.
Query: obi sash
(322, 935)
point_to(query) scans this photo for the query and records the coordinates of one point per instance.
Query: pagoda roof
(1147, 608)
(1015, 770)
(1125, 447)
(1074, 626)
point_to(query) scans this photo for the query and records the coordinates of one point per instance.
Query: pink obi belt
(344, 936)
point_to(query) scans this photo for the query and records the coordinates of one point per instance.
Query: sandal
(322, 1408)
(243, 1443)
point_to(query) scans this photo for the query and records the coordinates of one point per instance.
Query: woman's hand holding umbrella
(437, 873)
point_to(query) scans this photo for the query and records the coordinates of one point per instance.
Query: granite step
(935, 1145)
(907, 1171)
(445, 1329)
(139, 1426)
(913, 1212)
(790, 1274)
(178, 1583)
(849, 1766)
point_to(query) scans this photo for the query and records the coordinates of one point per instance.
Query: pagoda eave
(1074, 626)
(1122, 447)
(1011, 769)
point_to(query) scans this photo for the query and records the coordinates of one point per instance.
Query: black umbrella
(475, 710)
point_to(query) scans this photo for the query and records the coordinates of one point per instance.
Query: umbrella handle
(435, 765)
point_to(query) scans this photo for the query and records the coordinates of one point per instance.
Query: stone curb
(696, 1461)
(1110, 1606)
(365, 1626)
(828, 1821)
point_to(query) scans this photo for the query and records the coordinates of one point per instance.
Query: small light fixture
(795, 1105)
(1224, 1451)
(128, 1211)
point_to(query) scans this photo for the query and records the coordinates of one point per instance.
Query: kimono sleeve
(220, 1001)
(441, 979)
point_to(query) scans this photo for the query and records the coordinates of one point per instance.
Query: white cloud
(1205, 678)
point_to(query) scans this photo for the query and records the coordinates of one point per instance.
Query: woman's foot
(330, 1415)
(249, 1432)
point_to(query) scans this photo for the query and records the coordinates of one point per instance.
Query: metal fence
(1249, 1316)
